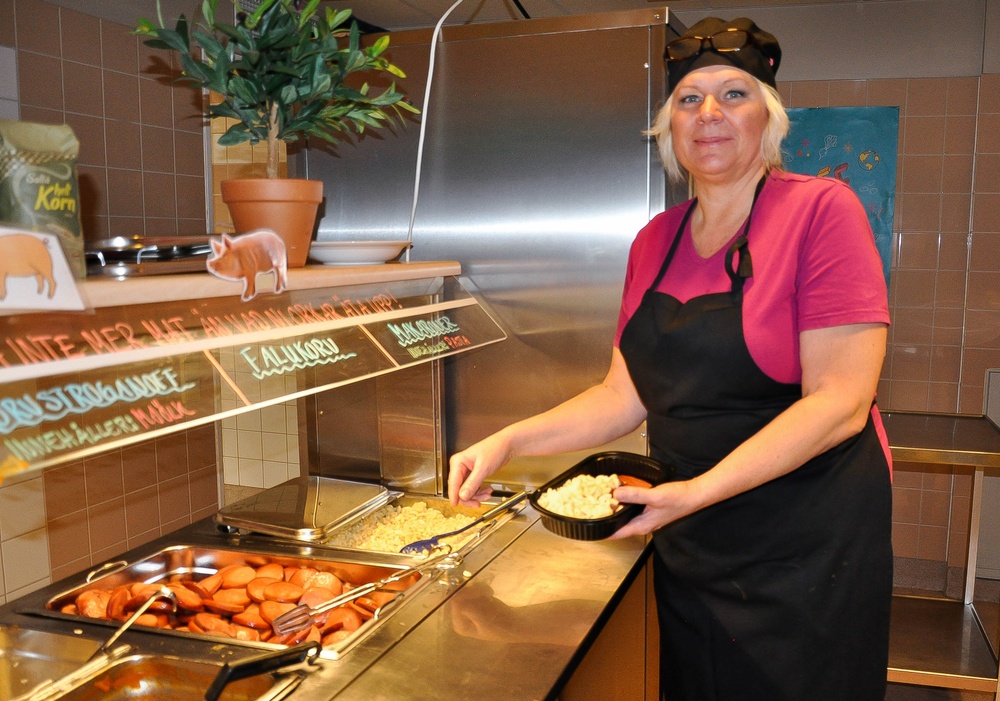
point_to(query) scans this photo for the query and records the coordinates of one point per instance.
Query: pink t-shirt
(815, 265)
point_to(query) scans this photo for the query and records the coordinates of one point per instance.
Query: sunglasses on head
(721, 42)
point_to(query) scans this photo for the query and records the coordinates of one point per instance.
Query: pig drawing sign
(34, 274)
(242, 258)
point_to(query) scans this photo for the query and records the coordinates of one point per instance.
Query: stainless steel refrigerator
(536, 175)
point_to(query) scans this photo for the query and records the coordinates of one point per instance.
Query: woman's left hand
(665, 503)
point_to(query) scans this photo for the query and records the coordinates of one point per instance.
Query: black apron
(781, 593)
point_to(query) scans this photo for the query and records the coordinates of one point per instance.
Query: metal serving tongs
(102, 657)
(429, 544)
(280, 660)
(302, 615)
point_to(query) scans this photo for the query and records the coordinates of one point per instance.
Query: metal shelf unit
(943, 642)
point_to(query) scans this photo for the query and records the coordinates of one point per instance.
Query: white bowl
(356, 252)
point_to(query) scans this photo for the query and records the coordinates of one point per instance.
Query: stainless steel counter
(936, 641)
(511, 622)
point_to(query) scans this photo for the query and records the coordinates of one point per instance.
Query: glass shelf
(73, 384)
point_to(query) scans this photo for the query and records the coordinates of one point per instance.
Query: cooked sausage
(151, 620)
(221, 607)
(366, 615)
(342, 617)
(116, 604)
(316, 596)
(211, 584)
(325, 580)
(286, 592)
(234, 597)
(272, 571)
(211, 623)
(93, 603)
(269, 610)
(186, 598)
(245, 633)
(201, 591)
(255, 589)
(335, 637)
(234, 576)
(301, 576)
(251, 618)
(239, 601)
(367, 603)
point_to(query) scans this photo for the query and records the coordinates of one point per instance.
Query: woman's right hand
(469, 468)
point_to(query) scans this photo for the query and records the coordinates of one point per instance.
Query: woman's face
(718, 122)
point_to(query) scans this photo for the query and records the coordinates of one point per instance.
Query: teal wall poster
(857, 145)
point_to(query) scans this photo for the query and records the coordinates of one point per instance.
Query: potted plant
(282, 71)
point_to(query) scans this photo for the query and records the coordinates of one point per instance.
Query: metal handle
(268, 662)
(445, 561)
(492, 513)
(106, 569)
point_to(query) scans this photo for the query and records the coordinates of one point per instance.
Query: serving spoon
(428, 544)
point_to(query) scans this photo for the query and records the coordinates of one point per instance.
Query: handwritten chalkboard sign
(74, 384)
(43, 420)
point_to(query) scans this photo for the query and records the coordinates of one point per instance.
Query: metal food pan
(30, 657)
(468, 540)
(165, 678)
(184, 562)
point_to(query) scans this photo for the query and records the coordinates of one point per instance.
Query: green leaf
(300, 61)
(307, 13)
(254, 19)
(212, 46)
(236, 135)
(394, 70)
(381, 44)
(335, 20)
(207, 11)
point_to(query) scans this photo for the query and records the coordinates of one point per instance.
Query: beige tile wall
(141, 171)
(259, 449)
(141, 166)
(945, 279)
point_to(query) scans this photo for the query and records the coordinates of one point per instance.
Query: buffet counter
(512, 621)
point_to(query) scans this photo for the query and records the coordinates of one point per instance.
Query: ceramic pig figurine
(23, 255)
(243, 257)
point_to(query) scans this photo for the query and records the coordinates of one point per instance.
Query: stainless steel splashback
(536, 177)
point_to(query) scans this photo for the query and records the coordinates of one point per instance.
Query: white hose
(423, 122)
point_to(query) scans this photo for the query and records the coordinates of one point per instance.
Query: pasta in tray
(391, 527)
(583, 496)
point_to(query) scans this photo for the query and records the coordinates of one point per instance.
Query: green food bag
(38, 184)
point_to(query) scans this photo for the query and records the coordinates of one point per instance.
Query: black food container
(608, 463)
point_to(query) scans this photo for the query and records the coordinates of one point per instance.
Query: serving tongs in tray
(303, 616)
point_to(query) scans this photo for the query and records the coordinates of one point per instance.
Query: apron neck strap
(744, 270)
(737, 276)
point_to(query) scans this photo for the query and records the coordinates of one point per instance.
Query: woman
(751, 337)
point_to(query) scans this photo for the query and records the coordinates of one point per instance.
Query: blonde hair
(770, 143)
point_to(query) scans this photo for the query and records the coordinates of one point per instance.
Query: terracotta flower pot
(287, 206)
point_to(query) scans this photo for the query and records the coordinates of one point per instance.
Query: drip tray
(305, 508)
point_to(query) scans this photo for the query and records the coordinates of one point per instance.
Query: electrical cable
(520, 7)
(423, 122)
